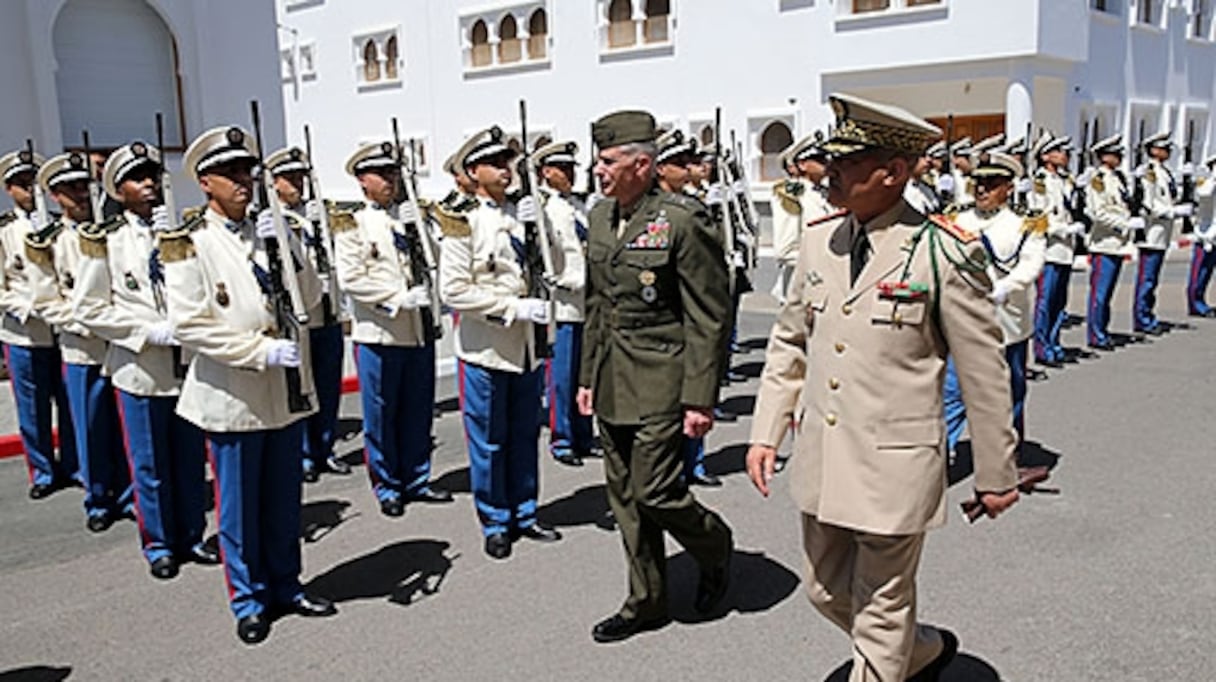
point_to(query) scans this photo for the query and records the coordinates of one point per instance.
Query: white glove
(1135, 223)
(715, 195)
(160, 334)
(1182, 211)
(533, 310)
(406, 214)
(738, 187)
(525, 210)
(1202, 173)
(160, 219)
(1000, 292)
(416, 297)
(1140, 170)
(1188, 168)
(1085, 177)
(1022, 186)
(945, 184)
(312, 211)
(265, 225)
(1075, 229)
(283, 353)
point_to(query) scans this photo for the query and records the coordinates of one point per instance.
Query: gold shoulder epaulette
(93, 236)
(452, 223)
(7, 217)
(193, 212)
(176, 245)
(38, 244)
(950, 227)
(1035, 223)
(825, 218)
(1098, 183)
(1151, 175)
(341, 221)
(789, 200)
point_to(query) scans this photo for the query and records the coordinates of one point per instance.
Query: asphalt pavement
(1109, 580)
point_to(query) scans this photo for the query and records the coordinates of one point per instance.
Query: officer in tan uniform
(30, 351)
(857, 357)
(219, 279)
(120, 297)
(54, 261)
(394, 340)
(658, 310)
(484, 276)
(1109, 237)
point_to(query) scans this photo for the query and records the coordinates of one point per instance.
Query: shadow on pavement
(587, 506)
(447, 405)
(731, 459)
(403, 572)
(454, 481)
(36, 673)
(320, 518)
(757, 584)
(742, 405)
(348, 428)
(964, 668)
(1034, 454)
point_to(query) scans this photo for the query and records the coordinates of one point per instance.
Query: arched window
(538, 34)
(390, 58)
(371, 61)
(621, 31)
(479, 36)
(773, 140)
(706, 135)
(658, 16)
(115, 110)
(509, 46)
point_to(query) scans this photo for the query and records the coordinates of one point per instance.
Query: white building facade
(446, 68)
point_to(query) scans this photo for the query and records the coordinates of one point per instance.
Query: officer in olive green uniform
(657, 310)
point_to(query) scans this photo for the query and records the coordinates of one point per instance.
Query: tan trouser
(866, 585)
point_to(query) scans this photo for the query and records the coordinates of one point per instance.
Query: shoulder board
(452, 223)
(341, 221)
(451, 198)
(7, 217)
(192, 222)
(425, 204)
(1035, 223)
(38, 244)
(175, 246)
(683, 201)
(1151, 175)
(93, 239)
(826, 218)
(949, 227)
(1098, 183)
(787, 193)
(193, 212)
(348, 206)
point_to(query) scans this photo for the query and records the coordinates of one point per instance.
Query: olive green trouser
(643, 464)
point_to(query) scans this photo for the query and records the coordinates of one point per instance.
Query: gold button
(833, 383)
(897, 318)
(846, 309)
(830, 419)
(839, 347)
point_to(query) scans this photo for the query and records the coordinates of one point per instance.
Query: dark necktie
(859, 254)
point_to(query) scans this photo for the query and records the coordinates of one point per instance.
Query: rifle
(537, 238)
(590, 167)
(289, 312)
(1188, 179)
(166, 195)
(96, 201)
(728, 220)
(946, 198)
(1076, 203)
(1022, 198)
(322, 240)
(1135, 204)
(744, 199)
(423, 266)
(40, 210)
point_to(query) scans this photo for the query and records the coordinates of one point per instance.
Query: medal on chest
(221, 295)
(647, 278)
(128, 279)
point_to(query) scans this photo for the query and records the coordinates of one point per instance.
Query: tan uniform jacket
(480, 278)
(19, 322)
(1106, 201)
(862, 375)
(1053, 194)
(1161, 192)
(220, 313)
(115, 299)
(375, 274)
(1016, 259)
(566, 215)
(56, 266)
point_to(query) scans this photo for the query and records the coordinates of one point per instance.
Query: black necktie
(859, 254)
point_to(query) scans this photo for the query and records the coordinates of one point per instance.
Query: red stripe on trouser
(1191, 289)
(219, 511)
(126, 446)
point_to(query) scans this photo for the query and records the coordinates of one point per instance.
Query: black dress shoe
(933, 671)
(202, 554)
(569, 459)
(712, 586)
(431, 496)
(311, 475)
(538, 533)
(617, 627)
(313, 607)
(707, 480)
(41, 490)
(498, 546)
(596, 449)
(253, 629)
(336, 466)
(164, 568)
(99, 523)
(392, 508)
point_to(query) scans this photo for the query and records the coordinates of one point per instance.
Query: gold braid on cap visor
(899, 139)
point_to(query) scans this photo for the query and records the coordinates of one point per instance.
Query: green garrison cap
(623, 127)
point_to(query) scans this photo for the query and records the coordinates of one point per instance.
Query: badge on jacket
(129, 280)
(656, 236)
(221, 295)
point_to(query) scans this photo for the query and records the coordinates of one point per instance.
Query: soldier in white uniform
(1015, 247)
(220, 280)
(1055, 196)
(120, 297)
(30, 350)
(393, 335)
(571, 438)
(961, 186)
(921, 190)
(484, 277)
(1106, 199)
(1203, 259)
(289, 167)
(1162, 206)
(796, 201)
(54, 262)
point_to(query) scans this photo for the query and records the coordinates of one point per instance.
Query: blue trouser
(952, 395)
(501, 426)
(103, 464)
(320, 429)
(167, 457)
(1143, 317)
(1103, 274)
(694, 457)
(257, 482)
(397, 384)
(37, 378)
(1202, 264)
(1051, 312)
(569, 431)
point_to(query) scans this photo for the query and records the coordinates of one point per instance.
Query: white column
(1019, 106)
